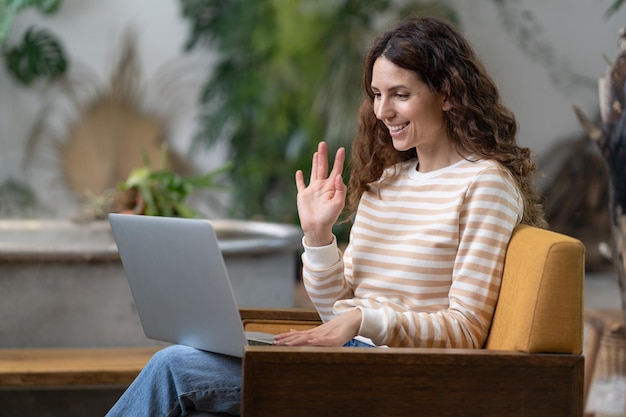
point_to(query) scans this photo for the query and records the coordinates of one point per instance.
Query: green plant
(40, 54)
(289, 75)
(163, 192)
(17, 199)
(617, 4)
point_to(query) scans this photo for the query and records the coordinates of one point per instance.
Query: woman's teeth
(397, 128)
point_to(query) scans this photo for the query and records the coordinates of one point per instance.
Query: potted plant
(163, 192)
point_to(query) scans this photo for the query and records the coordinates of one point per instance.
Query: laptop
(180, 284)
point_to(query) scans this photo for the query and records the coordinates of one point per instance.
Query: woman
(437, 186)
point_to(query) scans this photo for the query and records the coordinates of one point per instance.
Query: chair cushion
(540, 307)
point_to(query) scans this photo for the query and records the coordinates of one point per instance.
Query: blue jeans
(356, 343)
(183, 381)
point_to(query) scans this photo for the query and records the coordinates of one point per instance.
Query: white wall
(576, 30)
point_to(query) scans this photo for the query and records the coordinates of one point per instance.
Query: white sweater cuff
(321, 257)
(373, 323)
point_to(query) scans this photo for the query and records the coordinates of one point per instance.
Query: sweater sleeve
(491, 209)
(324, 278)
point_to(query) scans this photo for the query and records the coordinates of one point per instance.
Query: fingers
(319, 164)
(300, 186)
(313, 176)
(340, 157)
(319, 168)
(340, 188)
(293, 338)
(318, 336)
(322, 161)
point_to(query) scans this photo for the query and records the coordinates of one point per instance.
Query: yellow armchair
(531, 364)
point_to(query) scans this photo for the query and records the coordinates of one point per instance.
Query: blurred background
(91, 92)
(259, 84)
(220, 102)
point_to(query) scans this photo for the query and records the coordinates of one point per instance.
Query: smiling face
(413, 114)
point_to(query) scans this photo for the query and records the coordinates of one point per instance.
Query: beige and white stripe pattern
(425, 256)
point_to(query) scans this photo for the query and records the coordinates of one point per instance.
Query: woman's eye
(402, 96)
(377, 96)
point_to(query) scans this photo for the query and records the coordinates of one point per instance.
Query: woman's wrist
(318, 239)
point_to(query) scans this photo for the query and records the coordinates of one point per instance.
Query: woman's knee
(190, 362)
(174, 353)
(169, 361)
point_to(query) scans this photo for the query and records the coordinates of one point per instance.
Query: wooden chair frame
(314, 382)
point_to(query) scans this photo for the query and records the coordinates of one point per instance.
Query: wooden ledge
(47, 367)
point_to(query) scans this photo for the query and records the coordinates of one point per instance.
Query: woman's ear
(445, 106)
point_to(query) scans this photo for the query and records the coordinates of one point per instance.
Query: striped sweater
(425, 256)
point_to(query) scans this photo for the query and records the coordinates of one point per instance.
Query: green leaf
(208, 179)
(163, 204)
(148, 199)
(9, 8)
(47, 6)
(138, 176)
(617, 4)
(7, 14)
(183, 211)
(40, 55)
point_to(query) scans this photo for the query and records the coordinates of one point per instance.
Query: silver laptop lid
(179, 282)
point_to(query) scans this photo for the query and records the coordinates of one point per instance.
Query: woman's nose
(382, 108)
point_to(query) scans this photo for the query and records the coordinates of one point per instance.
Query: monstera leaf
(39, 55)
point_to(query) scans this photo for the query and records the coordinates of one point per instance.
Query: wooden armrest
(294, 314)
(309, 381)
(275, 321)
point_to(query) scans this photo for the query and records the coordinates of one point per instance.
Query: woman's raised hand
(321, 202)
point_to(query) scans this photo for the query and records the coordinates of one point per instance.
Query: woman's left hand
(336, 332)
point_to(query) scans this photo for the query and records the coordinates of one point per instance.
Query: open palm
(321, 202)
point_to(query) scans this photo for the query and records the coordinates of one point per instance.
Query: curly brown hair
(477, 122)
